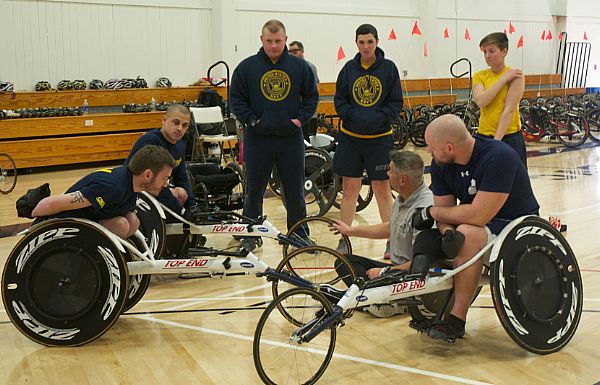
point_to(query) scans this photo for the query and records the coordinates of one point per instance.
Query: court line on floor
(336, 355)
(224, 296)
(201, 299)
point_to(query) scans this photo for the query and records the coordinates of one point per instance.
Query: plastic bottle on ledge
(153, 104)
(86, 107)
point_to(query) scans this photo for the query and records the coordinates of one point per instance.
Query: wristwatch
(384, 270)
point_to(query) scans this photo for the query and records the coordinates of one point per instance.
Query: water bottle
(86, 107)
(153, 104)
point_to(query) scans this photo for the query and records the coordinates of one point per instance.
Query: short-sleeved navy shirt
(494, 167)
(110, 192)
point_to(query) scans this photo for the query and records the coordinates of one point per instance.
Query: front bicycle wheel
(8, 173)
(320, 266)
(315, 231)
(280, 354)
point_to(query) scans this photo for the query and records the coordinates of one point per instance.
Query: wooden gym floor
(199, 331)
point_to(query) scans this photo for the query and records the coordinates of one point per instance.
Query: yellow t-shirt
(490, 114)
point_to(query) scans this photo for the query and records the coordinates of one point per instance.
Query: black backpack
(211, 98)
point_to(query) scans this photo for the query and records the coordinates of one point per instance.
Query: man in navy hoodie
(368, 97)
(175, 123)
(273, 94)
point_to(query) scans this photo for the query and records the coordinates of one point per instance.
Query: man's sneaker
(248, 244)
(342, 247)
(386, 310)
(448, 330)
(388, 253)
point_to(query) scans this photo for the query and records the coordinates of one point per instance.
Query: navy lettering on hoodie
(273, 93)
(368, 100)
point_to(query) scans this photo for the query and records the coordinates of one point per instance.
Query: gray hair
(408, 163)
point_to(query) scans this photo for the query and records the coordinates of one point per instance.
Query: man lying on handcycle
(493, 188)
(106, 196)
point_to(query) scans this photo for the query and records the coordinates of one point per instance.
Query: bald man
(492, 188)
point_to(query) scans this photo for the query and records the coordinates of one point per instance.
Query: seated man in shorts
(106, 196)
(492, 188)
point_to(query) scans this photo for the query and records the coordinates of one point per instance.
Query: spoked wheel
(8, 173)
(536, 287)
(280, 356)
(275, 184)
(315, 231)
(152, 225)
(593, 118)
(571, 128)
(138, 284)
(317, 264)
(64, 283)
(364, 197)
(399, 133)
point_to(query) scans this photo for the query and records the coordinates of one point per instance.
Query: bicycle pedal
(420, 326)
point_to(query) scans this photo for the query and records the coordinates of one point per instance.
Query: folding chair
(211, 116)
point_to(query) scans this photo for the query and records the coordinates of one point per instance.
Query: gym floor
(201, 330)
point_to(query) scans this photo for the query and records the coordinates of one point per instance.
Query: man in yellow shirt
(497, 91)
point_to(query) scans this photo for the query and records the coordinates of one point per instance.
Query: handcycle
(68, 280)
(535, 283)
(8, 173)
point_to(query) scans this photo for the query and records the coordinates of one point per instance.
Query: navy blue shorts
(354, 155)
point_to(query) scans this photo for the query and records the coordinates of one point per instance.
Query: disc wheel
(8, 173)
(64, 283)
(279, 355)
(315, 231)
(536, 287)
(317, 264)
(152, 225)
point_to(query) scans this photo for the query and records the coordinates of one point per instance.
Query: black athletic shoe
(448, 330)
(248, 244)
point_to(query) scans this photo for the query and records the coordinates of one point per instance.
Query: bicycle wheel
(234, 201)
(593, 118)
(315, 231)
(139, 283)
(399, 133)
(279, 354)
(316, 264)
(417, 131)
(571, 128)
(8, 173)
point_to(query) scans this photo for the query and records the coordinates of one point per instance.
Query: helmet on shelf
(6, 87)
(64, 85)
(127, 83)
(96, 84)
(43, 86)
(140, 83)
(79, 84)
(112, 84)
(163, 83)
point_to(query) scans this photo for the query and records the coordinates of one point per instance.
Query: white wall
(68, 39)
(54, 40)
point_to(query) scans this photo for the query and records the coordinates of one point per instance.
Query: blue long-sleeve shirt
(179, 175)
(273, 93)
(368, 99)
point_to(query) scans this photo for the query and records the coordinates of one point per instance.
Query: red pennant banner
(520, 42)
(467, 34)
(544, 35)
(584, 35)
(446, 34)
(425, 53)
(511, 28)
(505, 31)
(560, 36)
(549, 35)
(340, 54)
(416, 30)
(392, 35)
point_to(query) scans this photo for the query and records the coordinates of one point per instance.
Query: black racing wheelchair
(68, 280)
(531, 269)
